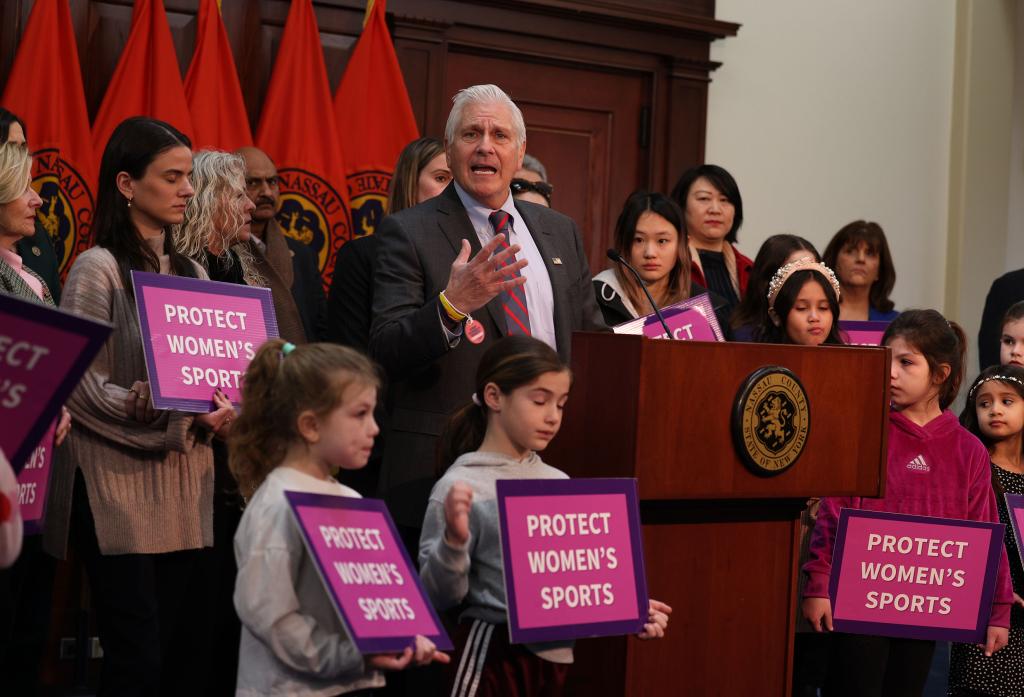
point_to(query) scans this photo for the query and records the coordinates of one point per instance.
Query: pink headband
(801, 264)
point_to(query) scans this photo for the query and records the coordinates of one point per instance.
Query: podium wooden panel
(720, 542)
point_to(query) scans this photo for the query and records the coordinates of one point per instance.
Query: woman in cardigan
(714, 213)
(136, 485)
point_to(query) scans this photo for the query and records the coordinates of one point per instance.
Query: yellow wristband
(450, 309)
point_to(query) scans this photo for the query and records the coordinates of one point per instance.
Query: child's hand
(1017, 600)
(456, 513)
(818, 611)
(657, 615)
(995, 639)
(424, 653)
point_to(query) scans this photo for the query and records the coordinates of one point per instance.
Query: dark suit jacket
(429, 380)
(38, 254)
(308, 289)
(1005, 291)
(350, 300)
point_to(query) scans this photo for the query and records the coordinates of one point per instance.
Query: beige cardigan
(150, 485)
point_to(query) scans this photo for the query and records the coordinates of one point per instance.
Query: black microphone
(616, 257)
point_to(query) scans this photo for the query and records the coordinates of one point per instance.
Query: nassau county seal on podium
(770, 420)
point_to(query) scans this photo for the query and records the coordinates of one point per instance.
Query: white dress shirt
(539, 298)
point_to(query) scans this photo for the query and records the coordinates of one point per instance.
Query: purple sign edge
(35, 526)
(95, 333)
(908, 631)
(146, 279)
(376, 644)
(1015, 502)
(690, 304)
(506, 488)
(861, 325)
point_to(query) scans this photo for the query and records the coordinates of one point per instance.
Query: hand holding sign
(995, 639)
(137, 404)
(457, 504)
(219, 420)
(426, 652)
(63, 426)
(657, 614)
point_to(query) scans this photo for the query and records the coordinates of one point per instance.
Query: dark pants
(154, 640)
(873, 666)
(508, 670)
(26, 591)
(810, 662)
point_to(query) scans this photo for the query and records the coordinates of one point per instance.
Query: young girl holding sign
(995, 413)
(308, 411)
(935, 468)
(521, 390)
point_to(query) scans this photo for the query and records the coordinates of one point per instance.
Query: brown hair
(638, 203)
(405, 182)
(938, 340)
(871, 234)
(774, 251)
(276, 389)
(510, 363)
(1014, 314)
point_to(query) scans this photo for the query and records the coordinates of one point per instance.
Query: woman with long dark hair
(134, 486)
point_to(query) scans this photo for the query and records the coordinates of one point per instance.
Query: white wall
(828, 111)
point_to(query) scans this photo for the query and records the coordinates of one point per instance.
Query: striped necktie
(517, 315)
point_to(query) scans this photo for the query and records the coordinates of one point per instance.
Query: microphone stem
(661, 317)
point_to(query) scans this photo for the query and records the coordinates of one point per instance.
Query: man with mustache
(447, 285)
(305, 311)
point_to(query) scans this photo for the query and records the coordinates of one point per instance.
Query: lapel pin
(556, 260)
(38, 252)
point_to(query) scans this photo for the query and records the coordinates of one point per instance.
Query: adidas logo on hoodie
(919, 464)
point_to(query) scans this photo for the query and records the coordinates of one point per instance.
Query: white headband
(801, 264)
(1000, 378)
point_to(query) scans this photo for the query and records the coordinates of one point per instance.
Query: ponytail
(277, 387)
(510, 363)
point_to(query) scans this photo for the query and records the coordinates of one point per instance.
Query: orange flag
(375, 119)
(147, 80)
(44, 89)
(297, 131)
(211, 86)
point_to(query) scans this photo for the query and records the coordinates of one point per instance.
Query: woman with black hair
(134, 486)
(776, 251)
(711, 200)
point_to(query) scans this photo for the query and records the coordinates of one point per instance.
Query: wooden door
(583, 122)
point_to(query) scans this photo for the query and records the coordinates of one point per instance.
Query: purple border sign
(43, 354)
(912, 576)
(199, 336)
(692, 319)
(367, 572)
(862, 333)
(1015, 507)
(573, 558)
(34, 482)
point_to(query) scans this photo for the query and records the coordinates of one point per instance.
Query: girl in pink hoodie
(935, 468)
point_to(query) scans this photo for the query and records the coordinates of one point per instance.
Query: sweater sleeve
(981, 505)
(823, 539)
(266, 602)
(98, 403)
(444, 568)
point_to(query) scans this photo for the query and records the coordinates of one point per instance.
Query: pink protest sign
(199, 336)
(43, 354)
(861, 333)
(1015, 507)
(689, 320)
(367, 572)
(914, 576)
(34, 480)
(573, 558)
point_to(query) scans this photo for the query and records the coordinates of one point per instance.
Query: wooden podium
(720, 542)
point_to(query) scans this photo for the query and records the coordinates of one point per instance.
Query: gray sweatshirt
(472, 574)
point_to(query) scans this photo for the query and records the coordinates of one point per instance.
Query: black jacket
(1005, 291)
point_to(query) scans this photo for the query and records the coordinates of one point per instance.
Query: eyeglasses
(253, 183)
(524, 185)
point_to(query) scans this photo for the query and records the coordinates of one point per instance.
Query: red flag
(297, 132)
(375, 119)
(44, 89)
(147, 80)
(211, 86)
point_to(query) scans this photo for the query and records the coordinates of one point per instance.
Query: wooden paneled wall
(614, 91)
